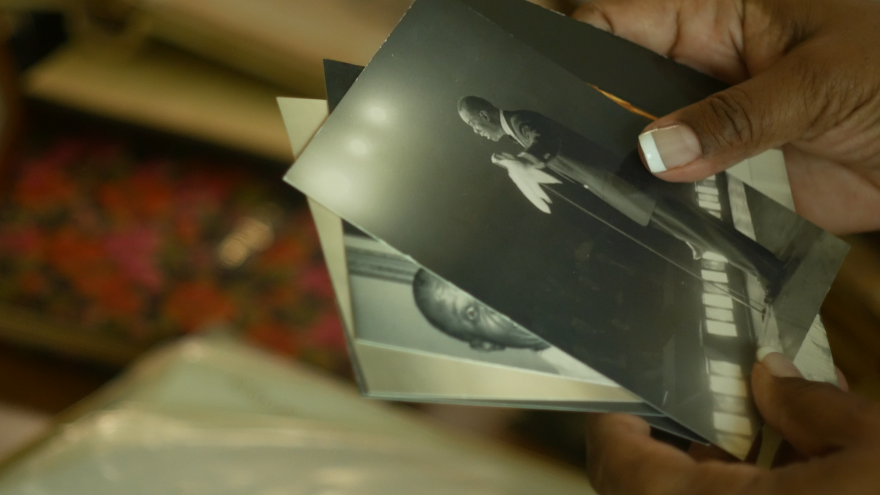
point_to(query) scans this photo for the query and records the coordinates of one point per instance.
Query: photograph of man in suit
(624, 185)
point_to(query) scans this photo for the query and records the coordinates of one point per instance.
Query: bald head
(482, 116)
(473, 105)
(462, 317)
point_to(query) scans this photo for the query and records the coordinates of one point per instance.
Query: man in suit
(626, 186)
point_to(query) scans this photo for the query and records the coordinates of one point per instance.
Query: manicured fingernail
(669, 147)
(776, 363)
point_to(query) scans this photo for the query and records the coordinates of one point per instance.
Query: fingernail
(669, 147)
(776, 363)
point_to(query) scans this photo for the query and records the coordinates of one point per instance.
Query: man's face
(483, 125)
(484, 328)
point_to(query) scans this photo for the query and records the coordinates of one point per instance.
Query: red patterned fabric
(128, 249)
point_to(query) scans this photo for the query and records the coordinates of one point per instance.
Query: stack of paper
(493, 237)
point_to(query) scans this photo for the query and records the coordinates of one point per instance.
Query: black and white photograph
(506, 177)
(398, 304)
(389, 330)
(390, 372)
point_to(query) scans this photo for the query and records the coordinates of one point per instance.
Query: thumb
(775, 107)
(816, 418)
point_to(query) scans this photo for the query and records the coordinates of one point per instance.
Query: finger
(787, 455)
(700, 452)
(701, 35)
(623, 459)
(816, 418)
(651, 24)
(848, 472)
(791, 100)
(816, 183)
(593, 13)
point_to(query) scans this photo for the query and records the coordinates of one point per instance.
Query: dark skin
(835, 437)
(807, 79)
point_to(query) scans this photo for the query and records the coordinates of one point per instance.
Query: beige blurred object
(210, 415)
(162, 87)
(307, 116)
(280, 41)
(18, 427)
(229, 60)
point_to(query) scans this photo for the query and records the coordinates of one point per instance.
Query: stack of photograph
(494, 239)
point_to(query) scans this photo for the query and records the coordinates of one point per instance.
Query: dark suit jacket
(583, 161)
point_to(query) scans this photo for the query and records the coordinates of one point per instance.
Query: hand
(500, 158)
(836, 433)
(807, 79)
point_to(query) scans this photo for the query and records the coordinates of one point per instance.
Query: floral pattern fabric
(130, 248)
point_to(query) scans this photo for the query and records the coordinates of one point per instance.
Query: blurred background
(141, 150)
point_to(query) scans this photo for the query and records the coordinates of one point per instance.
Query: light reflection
(250, 236)
(709, 206)
(337, 183)
(735, 444)
(232, 253)
(341, 187)
(731, 415)
(358, 147)
(725, 368)
(732, 423)
(341, 477)
(377, 114)
(719, 266)
(719, 314)
(721, 329)
(732, 405)
(714, 276)
(713, 288)
(718, 301)
(707, 190)
(727, 386)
